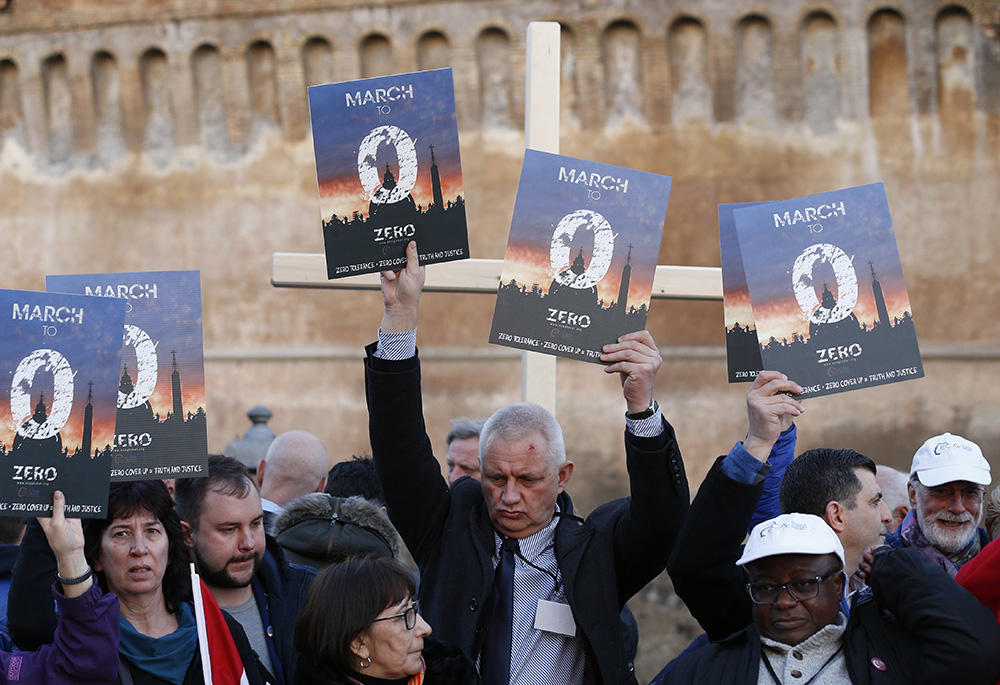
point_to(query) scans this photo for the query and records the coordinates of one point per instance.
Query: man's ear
(912, 492)
(900, 512)
(188, 534)
(322, 485)
(835, 516)
(260, 473)
(565, 472)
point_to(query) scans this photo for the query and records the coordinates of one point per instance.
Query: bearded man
(947, 482)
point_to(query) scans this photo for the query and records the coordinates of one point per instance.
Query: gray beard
(947, 541)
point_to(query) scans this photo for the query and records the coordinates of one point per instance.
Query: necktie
(494, 660)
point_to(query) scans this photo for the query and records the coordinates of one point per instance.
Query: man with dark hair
(463, 448)
(245, 570)
(839, 486)
(836, 485)
(508, 573)
(355, 477)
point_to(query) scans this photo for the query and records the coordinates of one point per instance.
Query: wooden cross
(541, 132)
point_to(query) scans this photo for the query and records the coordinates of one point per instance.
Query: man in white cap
(947, 482)
(902, 633)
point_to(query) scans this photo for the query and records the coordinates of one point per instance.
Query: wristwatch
(645, 414)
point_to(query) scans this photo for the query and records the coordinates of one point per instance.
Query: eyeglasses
(943, 494)
(800, 590)
(409, 616)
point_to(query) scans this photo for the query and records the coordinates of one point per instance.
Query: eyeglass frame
(409, 616)
(970, 494)
(785, 586)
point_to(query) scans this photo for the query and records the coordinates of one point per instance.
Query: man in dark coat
(915, 627)
(458, 535)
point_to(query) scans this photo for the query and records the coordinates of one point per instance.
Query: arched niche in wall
(621, 46)
(159, 130)
(433, 51)
(568, 101)
(956, 61)
(317, 61)
(376, 56)
(493, 60)
(108, 116)
(262, 75)
(820, 72)
(58, 107)
(888, 73)
(209, 97)
(11, 113)
(755, 103)
(691, 99)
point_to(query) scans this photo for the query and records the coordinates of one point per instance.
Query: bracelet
(75, 581)
(639, 416)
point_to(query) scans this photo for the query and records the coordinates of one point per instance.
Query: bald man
(296, 464)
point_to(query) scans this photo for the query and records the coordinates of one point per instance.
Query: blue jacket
(281, 589)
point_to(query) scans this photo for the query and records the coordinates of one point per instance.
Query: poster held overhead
(61, 355)
(827, 288)
(742, 349)
(580, 260)
(388, 171)
(161, 423)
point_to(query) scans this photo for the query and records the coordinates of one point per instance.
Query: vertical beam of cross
(541, 132)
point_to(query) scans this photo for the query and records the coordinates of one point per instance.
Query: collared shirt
(538, 656)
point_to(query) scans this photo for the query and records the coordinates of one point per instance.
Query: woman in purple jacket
(85, 648)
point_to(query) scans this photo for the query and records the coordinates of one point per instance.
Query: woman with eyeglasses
(361, 625)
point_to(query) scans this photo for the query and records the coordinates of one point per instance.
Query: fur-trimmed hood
(318, 529)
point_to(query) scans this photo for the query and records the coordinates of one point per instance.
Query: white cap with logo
(946, 458)
(791, 534)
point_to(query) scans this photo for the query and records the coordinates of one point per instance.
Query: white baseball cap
(946, 458)
(791, 534)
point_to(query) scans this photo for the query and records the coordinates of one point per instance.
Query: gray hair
(991, 515)
(893, 484)
(515, 421)
(464, 428)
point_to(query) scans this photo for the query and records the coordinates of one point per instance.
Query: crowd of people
(821, 568)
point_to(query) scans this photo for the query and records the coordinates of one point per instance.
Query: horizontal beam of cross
(293, 270)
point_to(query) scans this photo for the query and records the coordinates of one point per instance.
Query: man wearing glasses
(946, 487)
(916, 627)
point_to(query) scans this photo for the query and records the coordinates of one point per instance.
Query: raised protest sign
(61, 355)
(389, 171)
(580, 260)
(826, 284)
(161, 426)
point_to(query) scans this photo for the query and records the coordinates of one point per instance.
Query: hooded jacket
(318, 529)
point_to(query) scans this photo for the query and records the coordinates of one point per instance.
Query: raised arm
(657, 481)
(416, 494)
(703, 565)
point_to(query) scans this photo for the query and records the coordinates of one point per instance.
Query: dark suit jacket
(603, 561)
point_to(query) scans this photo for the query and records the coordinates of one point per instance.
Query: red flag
(215, 641)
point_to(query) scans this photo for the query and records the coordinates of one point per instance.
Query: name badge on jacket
(555, 617)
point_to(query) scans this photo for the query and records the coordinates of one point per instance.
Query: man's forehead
(222, 504)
